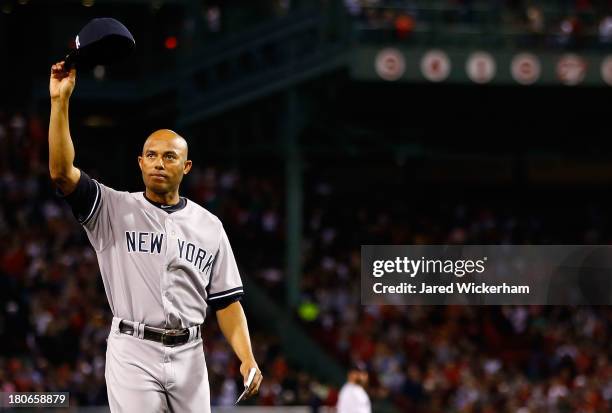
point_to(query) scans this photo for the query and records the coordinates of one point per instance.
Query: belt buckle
(170, 333)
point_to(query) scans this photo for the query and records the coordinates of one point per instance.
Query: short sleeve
(225, 285)
(92, 205)
(84, 199)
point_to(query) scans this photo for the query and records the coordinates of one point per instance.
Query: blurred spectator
(213, 19)
(535, 19)
(605, 30)
(404, 25)
(569, 31)
(352, 397)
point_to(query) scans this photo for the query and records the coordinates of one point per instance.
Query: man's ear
(188, 165)
(140, 162)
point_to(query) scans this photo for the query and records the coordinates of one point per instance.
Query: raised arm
(61, 150)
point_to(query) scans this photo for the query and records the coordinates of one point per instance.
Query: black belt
(168, 337)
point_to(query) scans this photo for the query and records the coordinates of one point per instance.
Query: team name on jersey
(152, 242)
(200, 259)
(148, 242)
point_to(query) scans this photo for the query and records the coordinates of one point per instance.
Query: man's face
(164, 162)
(358, 377)
(363, 378)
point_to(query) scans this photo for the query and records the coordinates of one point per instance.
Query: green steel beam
(293, 179)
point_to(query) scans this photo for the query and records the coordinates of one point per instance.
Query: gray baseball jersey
(161, 265)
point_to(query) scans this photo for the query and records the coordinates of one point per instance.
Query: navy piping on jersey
(182, 203)
(219, 301)
(95, 204)
(226, 293)
(85, 200)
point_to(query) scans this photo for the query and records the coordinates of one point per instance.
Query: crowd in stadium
(552, 24)
(458, 358)
(562, 24)
(55, 317)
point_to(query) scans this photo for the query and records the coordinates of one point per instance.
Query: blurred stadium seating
(474, 23)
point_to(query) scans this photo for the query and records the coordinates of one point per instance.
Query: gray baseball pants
(145, 376)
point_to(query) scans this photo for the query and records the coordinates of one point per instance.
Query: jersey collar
(168, 208)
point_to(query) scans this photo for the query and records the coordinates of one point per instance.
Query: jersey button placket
(170, 228)
(171, 231)
(171, 234)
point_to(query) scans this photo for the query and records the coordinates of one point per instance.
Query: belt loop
(194, 333)
(141, 327)
(115, 325)
(135, 327)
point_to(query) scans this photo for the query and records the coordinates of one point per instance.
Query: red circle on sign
(435, 66)
(390, 64)
(525, 68)
(571, 69)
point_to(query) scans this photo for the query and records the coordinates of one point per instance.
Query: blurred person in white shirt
(605, 30)
(353, 398)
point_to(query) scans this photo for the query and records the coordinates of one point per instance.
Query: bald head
(163, 164)
(167, 136)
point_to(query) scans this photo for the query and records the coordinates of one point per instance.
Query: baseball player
(164, 262)
(353, 397)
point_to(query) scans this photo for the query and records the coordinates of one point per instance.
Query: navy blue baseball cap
(102, 41)
(358, 365)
